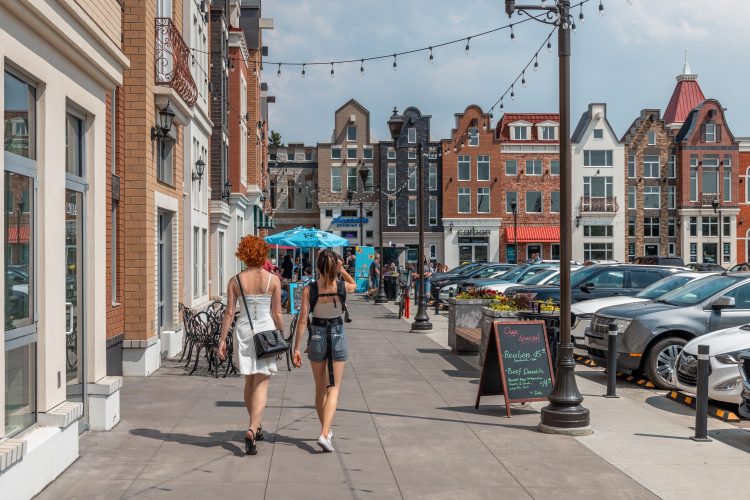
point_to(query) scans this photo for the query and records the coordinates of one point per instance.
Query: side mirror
(723, 302)
(588, 287)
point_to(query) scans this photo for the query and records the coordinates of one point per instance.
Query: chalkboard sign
(517, 363)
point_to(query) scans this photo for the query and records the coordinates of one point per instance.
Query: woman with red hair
(260, 294)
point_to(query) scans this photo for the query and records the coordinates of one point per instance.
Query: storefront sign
(348, 221)
(473, 232)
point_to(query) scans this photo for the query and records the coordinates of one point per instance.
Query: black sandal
(259, 434)
(250, 448)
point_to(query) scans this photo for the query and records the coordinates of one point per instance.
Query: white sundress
(259, 308)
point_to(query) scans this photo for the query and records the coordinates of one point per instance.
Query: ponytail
(327, 266)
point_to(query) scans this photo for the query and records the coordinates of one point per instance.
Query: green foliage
(274, 139)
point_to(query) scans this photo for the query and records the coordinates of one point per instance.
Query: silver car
(652, 334)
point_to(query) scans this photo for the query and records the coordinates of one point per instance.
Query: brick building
(471, 190)
(651, 182)
(339, 164)
(292, 191)
(529, 175)
(398, 179)
(743, 219)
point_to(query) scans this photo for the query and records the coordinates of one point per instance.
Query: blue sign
(348, 221)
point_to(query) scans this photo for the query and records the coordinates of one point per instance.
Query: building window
(710, 175)
(329, 213)
(693, 226)
(391, 154)
(473, 137)
(412, 135)
(412, 211)
(671, 197)
(555, 167)
(367, 153)
(597, 192)
(204, 262)
(631, 197)
(351, 153)
(483, 200)
(483, 168)
(747, 188)
(196, 242)
(597, 158)
(290, 195)
(533, 202)
(464, 168)
(631, 166)
(369, 234)
(164, 160)
(464, 200)
(631, 252)
(727, 230)
(598, 230)
(335, 152)
(709, 134)
(597, 251)
(273, 190)
(651, 166)
(351, 179)
(336, 179)
(309, 186)
(113, 244)
(369, 180)
(432, 177)
(520, 133)
(727, 174)
(651, 197)
(511, 168)
(412, 155)
(651, 249)
(20, 117)
(391, 178)
(671, 249)
(433, 252)
(308, 155)
(652, 138)
(73, 145)
(671, 228)
(651, 227)
(710, 226)
(433, 211)
(693, 252)
(727, 251)
(555, 202)
(598, 133)
(672, 167)
(412, 178)
(533, 167)
(631, 228)
(351, 133)
(511, 201)
(548, 133)
(391, 212)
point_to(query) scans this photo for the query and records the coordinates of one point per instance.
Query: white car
(724, 380)
(584, 310)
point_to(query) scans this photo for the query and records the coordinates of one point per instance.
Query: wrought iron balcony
(173, 61)
(603, 204)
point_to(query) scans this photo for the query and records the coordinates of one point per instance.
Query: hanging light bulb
(523, 78)
(278, 73)
(362, 67)
(395, 64)
(536, 62)
(601, 8)
(255, 70)
(580, 16)
(432, 59)
(512, 94)
(501, 104)
(303, 71)
(331, 70)
(565, 25)
(467, 46)
(512, 34)
(573, 26)
(549, 46)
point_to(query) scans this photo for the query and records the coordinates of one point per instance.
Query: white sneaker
(325, 444)
(330, 434)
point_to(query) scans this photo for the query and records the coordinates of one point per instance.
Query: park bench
(471, 335)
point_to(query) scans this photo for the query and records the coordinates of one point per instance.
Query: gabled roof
(586, 118)
(646, 114)
(691, 122)
(501, 130)
(355, 103)
(477, 110)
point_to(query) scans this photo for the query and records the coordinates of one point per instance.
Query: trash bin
(551, 326)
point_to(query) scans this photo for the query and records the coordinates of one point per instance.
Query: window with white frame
(598, 251)
(710, 226)
(631, 196)
(204, 262)
(351, 153)
(483, 167)
(693, 177)
(693, 252)
(335, 152)
(351, 178)
(672, 167)
(196, 242)
(432, 182)
(727, 176)
(671, 249)
(533, 202)
(520, 133)
(671, 197)
(391, 154)
(598, 133)
(533, 167)
(391, 182)
(631, 166)
(351, 133)
(511, 168)
(727, 228)
(464, 167)
(651, 197)
(473, 137)
(554, 167)
(336, 179)
(747, 188)
(483, 200)
(651, 166)
(598, 230)
(367, 153)
(671, 228)
(165, 160)
(709, 132)
(412, 154)
(412, 135)
(710, 175)
(412, 178)
(391, 212)
(511, 201)
(547, 133)
(433, 210)
(597, 158)
(411, 211)
(650, 227)
(693, 226)
(651, 137)
(464, 200)
(369, 180)
(555, 202)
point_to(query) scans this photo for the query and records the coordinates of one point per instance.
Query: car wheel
(661, 359)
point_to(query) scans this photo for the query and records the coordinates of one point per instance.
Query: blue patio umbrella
(275, 239)
(313, 238)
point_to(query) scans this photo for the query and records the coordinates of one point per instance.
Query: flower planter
(488, 317)
(464, 314)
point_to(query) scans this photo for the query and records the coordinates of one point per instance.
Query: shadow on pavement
(736, 438)
(223, 439)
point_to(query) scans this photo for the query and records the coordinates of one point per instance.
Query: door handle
(69, 319)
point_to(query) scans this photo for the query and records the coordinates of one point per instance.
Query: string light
(278, 73)
(523, 78)
(512, 34)
(601, 8)
(331, 70)
(467, 46)
(536, 62)
(362, 67)
(580, 16)
(549, 46)
(303, 71)
(395, 64)
(432, 59)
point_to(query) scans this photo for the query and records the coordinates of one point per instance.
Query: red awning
(16, 236)
(530, 234)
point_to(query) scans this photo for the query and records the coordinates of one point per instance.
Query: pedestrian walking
(260, 294)
(327, 347)
(374, 278)
(287, 268)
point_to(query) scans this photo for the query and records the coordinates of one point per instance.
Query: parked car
(745, 372)
(583, 311)
(651, 335)
(740, 268)
(655, 260)
(484, 268)
(547, 276)
(526, 271)
(705, 267)
(462, 269)
(724, 380)
(601, 280)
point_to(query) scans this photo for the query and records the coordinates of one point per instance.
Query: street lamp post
(514, 209)
(381, 298)
(564, 414)
(421, 319)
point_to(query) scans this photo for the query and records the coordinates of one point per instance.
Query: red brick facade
(743, 220)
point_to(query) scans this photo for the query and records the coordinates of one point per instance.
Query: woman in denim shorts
(326, 349)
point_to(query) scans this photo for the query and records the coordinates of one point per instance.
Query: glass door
(75, 360)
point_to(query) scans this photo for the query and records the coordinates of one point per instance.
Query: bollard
(612, 362)
(701, 396)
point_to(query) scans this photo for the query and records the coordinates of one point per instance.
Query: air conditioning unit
(353, 118)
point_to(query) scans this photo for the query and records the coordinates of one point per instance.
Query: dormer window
(710, 132)
(473, 137)
(520, 133)
(412, 135)
(651, 137)
(351, 133)
(547, 133)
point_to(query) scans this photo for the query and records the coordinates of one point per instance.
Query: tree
(275, 140)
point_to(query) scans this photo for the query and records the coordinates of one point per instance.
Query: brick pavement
(406, 428)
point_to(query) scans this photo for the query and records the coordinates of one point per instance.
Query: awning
(16, 236)
(533, 234)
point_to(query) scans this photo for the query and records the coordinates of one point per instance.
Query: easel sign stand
(517, 363)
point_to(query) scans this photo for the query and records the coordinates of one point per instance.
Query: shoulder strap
(341, 291)
(268, 283)
(313, 295)
(242, 292)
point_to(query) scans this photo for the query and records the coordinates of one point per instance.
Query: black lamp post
(720, 252)
(514, 209)
(421, 320)
(364, 174)
(564, 414)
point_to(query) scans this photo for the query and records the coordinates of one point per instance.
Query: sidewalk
(406, 428)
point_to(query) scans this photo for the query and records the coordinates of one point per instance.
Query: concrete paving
(406, 428)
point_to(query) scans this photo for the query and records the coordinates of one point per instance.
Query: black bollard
(612, 362)
(701, 396)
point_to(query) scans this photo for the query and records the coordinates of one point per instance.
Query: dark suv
(601, 280)
(654, 260)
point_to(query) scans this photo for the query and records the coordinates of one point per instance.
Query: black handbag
(268, 343)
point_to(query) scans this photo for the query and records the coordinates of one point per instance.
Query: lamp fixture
(166, 118)
(200, 166)
(227, 190)
(450, 228)
(578, 220)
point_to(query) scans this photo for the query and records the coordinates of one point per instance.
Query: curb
(622, 376)
(689, 401)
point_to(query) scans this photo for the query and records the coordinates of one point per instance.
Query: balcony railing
(592, 204)
(173, 61)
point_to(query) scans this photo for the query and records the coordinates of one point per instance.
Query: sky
(627, 58)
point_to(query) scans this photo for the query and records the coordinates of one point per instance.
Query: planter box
(488, 317)
(464, 314)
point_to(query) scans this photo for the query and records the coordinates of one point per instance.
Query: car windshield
(663, 286)
(467, 268)
(537, 278)
(486, 272)
(582, 275)
(513, 273)
(699, 290)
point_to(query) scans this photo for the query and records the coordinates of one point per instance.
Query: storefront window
(19, 117)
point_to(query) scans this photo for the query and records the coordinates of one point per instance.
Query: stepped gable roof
(502, 132)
